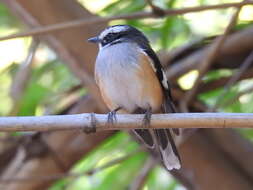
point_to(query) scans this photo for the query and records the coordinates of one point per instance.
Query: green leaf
(160, 179)
(247, 133)
(34, 95)
(114, 147)
(6, 18)
(123, 7)
(217, 74)
(120, 176)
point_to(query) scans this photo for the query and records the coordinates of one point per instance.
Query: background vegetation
(50, 87)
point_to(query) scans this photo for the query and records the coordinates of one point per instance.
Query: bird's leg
(147, 117)
(111, 118)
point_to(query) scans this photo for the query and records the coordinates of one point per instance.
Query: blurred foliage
(117, 176)
(49, 88)
(158, 180)
(7, 19)
(48, 81)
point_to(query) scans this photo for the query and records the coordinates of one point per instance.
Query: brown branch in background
(246, 64)
(66, 46)
(22, 77)
(137, 15)
(56, 157)
(204, 66)
(226, 58)
(90, 122)
(236, 147)
(68, 174)
(234, 181)
(86, 78)
(168, 57)
(140, 180)
(15, 164)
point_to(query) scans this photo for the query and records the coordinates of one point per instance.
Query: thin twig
(246, 64)
(204, 66)
(22, 77)
(139, 181)
(155, 9)
(68, 174)
(15, 165)
(209, 86)
(137, 15)
(229, 49)
(86, 123)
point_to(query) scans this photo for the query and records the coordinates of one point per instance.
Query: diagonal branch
(91, 171)
(243, 68)
(229, 56)
(98, 122)
(140, 180)
(155, 9)
(211, 54)
(137, 15)
(21, 78)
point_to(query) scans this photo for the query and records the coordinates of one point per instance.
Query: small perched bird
(131, 79)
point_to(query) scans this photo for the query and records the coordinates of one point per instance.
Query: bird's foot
(147, 117)
(111, 118)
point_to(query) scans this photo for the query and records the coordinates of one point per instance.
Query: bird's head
(119, 34)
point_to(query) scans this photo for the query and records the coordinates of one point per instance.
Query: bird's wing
(168, 105)
(156, 65)
(164, 139)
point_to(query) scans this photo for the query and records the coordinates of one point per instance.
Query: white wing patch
(150, 61)
(170, 160)
(113, 29)
(165, 82)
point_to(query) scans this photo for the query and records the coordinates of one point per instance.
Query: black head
(118, 34)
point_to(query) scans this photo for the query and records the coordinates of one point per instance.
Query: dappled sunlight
(96, 6)
(245, 98)
(73, 160)
(12, 51)
(246, 13)
(186, 82)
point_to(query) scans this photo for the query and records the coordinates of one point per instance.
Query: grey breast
(116, 68)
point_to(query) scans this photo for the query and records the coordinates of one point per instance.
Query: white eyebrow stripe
(114, 29)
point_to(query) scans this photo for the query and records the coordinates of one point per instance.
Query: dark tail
(146, 137)
(167, 148)
(164, 142)
(163, 138)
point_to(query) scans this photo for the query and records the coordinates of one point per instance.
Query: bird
(131, 79)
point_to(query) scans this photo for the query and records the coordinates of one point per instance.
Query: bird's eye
(109, 38)
(110, 35)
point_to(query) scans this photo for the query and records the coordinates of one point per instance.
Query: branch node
(157, 11)
(92, 127)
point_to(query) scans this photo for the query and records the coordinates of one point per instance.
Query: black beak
(94, 40)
